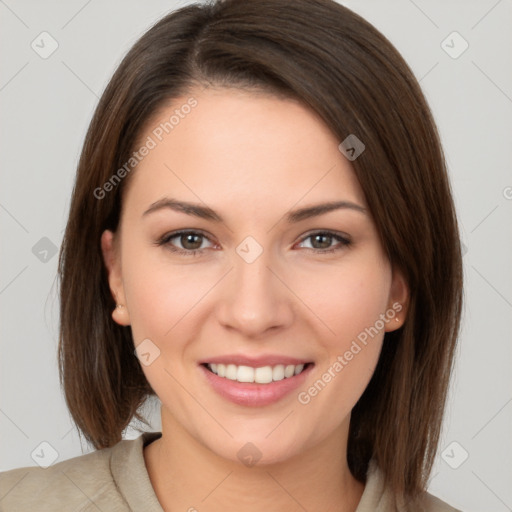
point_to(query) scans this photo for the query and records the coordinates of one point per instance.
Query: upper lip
(255, 362)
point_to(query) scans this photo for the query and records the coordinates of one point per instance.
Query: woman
(262, 235)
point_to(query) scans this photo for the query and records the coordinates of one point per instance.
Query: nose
(254, 298)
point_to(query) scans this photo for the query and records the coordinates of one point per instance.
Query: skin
(250, 157)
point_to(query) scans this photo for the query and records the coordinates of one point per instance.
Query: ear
(112, 260)
(398, 300)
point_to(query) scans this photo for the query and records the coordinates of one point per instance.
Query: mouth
(255, 383)
(257, 375)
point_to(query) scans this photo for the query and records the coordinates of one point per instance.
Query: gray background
(47, 104)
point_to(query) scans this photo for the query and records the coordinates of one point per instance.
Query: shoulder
(379, 498)
(81, 483)
(432, 504)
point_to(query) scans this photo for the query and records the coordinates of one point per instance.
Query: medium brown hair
(339, 65)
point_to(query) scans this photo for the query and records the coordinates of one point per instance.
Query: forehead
(230, 145)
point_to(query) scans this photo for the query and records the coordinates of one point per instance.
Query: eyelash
(165, 240)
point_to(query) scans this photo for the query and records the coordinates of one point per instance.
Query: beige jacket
(116, 480)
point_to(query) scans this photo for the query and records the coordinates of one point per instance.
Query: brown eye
(191, 241)
(322, 241)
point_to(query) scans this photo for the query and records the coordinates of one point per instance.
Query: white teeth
(261, 375)
(231, 372)
(278, 372)
(289, 370)
(245, 374)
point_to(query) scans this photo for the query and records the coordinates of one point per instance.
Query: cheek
(347, 298)
(156, 294)
(164, 300)
(351, 301)
(163, 304)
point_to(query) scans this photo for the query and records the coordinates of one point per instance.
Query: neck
(188, 476)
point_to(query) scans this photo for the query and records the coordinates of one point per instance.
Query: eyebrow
(204, 212)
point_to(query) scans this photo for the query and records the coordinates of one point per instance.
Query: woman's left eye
(192, 242)
(324, 239)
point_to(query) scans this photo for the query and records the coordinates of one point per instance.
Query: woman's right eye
(191, 242)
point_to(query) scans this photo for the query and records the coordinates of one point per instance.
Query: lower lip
(251, 394)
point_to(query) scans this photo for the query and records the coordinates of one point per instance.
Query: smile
(259, 375)
(255, 381)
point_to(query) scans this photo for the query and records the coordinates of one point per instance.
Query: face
(247, 281)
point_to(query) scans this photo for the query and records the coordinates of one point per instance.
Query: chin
(256, 449)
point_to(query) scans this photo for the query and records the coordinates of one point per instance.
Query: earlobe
(398, 301)
(112, 263)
